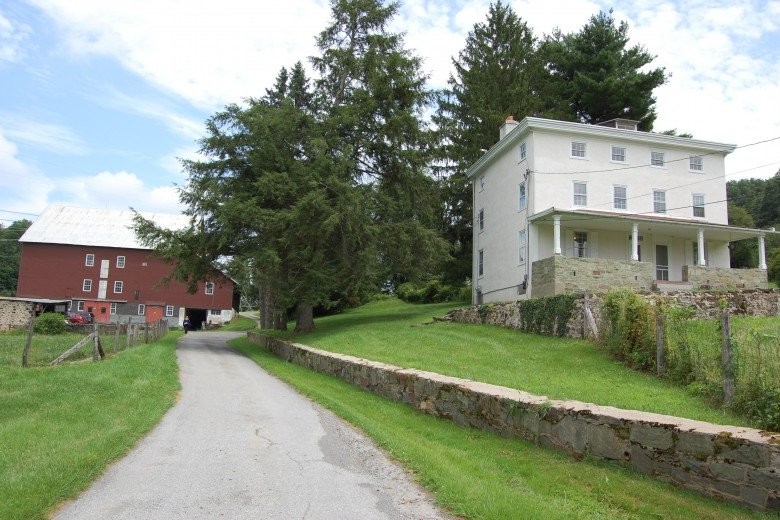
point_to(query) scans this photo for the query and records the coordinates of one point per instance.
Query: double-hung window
(659, 201)
(620, 198)
(578, 150)
(481, 264)
(86, 285)
(120, 262)
(481, 219)
(89, 260)
(169, 310)
(521, 243)
(118, 286)
(580, 193)
(657, 159)
(209, 287)
(523, 151)
(521, 200)
(113, 308)
(696, 163)
(698, 205)
(141, 309)
(619, 154)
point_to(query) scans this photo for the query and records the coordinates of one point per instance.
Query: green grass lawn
(559, 368)
(44, 349)
(479, 475)
(61, 426)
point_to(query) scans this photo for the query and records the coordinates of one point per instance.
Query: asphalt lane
(242, 444)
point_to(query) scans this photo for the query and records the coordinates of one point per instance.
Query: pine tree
(595, 76)
(497, 74)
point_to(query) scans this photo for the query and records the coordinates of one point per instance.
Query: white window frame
(120, 262)
(699, 206)
(522, 243)
(578, 150)
(615, 197)
(482, 183)
(523, 151)
(209, 288)
(80, 306)
(481, 220)
(112, 309)
(583, 197)
(169, 311)
(141, 309)
(86, 285)
(481, 263)
(696, 164)
(656, 158)
(522, 196)
(215, 312)
(119, 286)
(659, 203)
(89, 260)
(624, 160)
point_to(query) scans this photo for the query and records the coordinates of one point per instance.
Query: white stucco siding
(555, 171)
(499, 240)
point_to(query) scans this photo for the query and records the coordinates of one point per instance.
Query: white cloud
(211, 53)
(156, 110)
(46, 136)
(12, 38)
(119, 190)
(22, 188)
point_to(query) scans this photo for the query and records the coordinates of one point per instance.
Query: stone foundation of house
(14, 314)
(739, 465)
(721, 278)
(566, 275)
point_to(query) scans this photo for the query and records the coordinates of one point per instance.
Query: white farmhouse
(562, 207)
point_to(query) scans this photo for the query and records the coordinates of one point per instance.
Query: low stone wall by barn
(14, 314)
(739, 465)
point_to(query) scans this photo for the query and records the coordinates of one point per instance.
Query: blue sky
(99, 98)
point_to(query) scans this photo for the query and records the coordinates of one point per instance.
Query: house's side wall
(735, 464)
(724, 278)
(58, 271)
(503, 270)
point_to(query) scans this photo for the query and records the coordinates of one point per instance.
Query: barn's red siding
(58, 271)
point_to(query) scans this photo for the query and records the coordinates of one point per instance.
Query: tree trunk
(266, 313)
(304, 317)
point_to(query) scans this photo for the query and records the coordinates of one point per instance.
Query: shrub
(50, 323)
(630, 331)
(432, 291)
(547, 315)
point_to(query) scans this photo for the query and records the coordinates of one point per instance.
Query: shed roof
(94, 227)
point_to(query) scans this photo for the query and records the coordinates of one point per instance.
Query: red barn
(92, 258)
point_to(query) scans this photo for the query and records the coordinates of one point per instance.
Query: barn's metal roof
(94, 227)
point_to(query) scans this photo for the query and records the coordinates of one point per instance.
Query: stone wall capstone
(740, 465)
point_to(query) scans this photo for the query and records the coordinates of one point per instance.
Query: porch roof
(683, 228)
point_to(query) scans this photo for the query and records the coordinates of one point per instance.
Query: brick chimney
(507, 127)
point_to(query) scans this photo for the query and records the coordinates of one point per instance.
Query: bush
(50, 323)
(547, 315)
(432, 291)
(630, 334)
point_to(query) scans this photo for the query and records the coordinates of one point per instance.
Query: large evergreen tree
(497, 74)
(10, 254)
(595, 76)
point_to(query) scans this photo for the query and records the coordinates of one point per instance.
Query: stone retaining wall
(757, 302)
(740, 465)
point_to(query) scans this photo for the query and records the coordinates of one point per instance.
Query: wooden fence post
(28, 343)
(728, 363)
(95, 355)
(116, 335)
(135, 334)
(660, 329)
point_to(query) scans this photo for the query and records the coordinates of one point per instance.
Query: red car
(81, 317)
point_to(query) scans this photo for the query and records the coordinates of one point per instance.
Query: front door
(661, 262)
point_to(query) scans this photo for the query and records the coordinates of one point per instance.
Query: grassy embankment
(61, 426)
(559, 368)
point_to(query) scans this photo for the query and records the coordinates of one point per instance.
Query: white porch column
(701, 248)
(635, 242)
(761, 253)
(557, 234)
